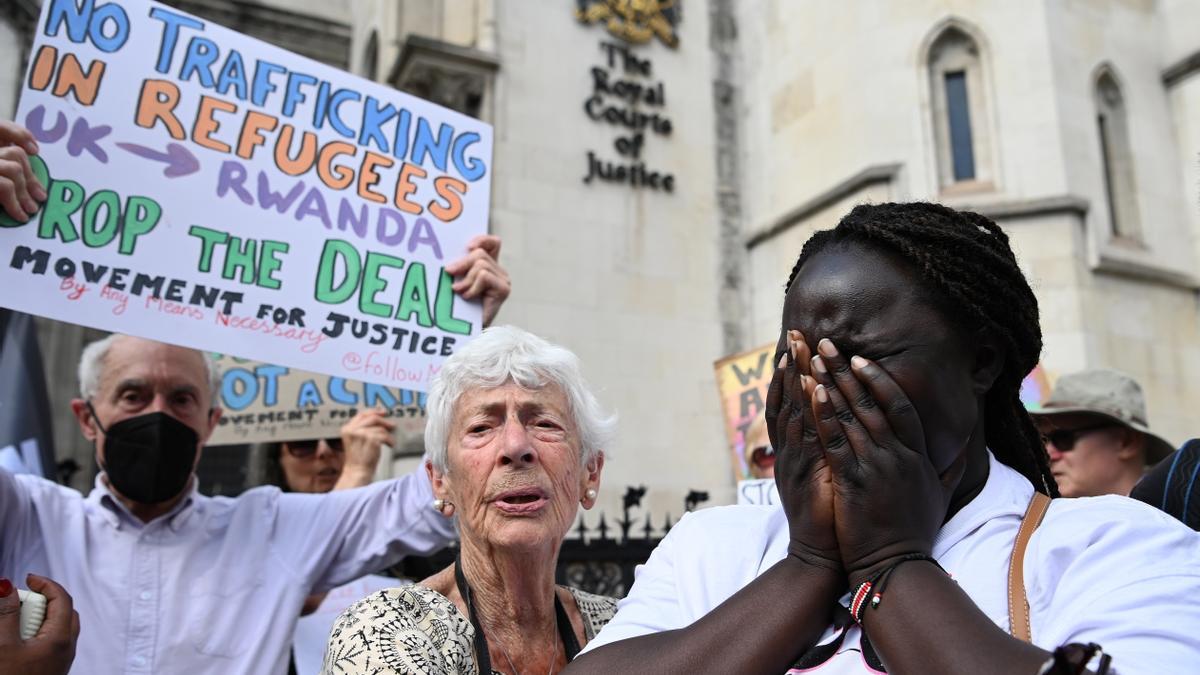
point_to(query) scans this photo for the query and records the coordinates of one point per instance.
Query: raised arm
(20, 191)
(336, 537)
(479, 276)
(20, 540)
(363, 438)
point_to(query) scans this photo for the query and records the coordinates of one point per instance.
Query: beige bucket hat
(1109, 393)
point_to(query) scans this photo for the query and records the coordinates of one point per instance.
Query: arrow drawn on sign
(179, 160)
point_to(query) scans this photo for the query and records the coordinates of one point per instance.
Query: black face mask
(148, 458)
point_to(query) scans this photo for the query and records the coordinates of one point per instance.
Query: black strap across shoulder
(482, 658)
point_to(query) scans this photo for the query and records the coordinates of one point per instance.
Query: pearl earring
(590, 494)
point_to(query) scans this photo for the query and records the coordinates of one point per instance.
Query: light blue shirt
(216, 585)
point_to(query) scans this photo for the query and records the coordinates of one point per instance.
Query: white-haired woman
(514, 441)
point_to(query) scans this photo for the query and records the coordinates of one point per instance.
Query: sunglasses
(1064, 440)
(308, 448)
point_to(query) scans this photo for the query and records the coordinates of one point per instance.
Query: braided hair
(973, 276)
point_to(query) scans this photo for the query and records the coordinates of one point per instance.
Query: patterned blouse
(415, 629)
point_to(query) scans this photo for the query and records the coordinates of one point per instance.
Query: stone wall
(837, 93)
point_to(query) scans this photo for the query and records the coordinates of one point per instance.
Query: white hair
(505, 353)
(91, 367)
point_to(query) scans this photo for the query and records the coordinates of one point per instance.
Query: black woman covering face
(906, 465)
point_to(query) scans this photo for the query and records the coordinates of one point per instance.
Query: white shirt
(1108, 570)
(216, 585)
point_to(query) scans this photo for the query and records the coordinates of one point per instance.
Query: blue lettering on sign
(88, 22)
(338, 393)
(374, 393)
(171, 23)
(270, 375)
(230, 394)
(425, 146)
(472, 169)
(309, 395)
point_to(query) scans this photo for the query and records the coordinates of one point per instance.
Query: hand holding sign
(210, 190)
(362, 438)
(20, 191)
(479, 275)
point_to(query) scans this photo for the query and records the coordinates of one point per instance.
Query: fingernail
(825, 346)
(818, 364)
(782, 361)
(31, 147)
(39, 192)
(795, 336)
(6, 588)
(858, 362)
(822, 395)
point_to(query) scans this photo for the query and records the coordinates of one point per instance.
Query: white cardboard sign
(210, 190)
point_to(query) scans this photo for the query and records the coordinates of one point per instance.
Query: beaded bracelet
(1073, 659)
(878, 582)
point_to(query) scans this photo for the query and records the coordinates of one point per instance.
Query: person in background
(760, 456)
(52, 649)
(317, 466)
(1172, 485)
(514, 442)
(1095, 430)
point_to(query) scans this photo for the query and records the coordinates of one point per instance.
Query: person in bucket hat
(1095, 430)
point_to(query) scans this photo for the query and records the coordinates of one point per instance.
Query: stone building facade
(1074, 123)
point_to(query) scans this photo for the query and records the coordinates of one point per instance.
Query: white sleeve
(22, 496)
(653, 604)
(335, 537)
(1127, 580)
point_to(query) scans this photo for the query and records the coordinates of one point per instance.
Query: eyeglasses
(1064, 440)
(308, 448)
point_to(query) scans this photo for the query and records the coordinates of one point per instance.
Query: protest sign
(742, 381)
(265, 402)
(758, 491)
(210, 190)
(1035, 388)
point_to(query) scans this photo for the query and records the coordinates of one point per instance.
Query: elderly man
(1094, 425)
(167, 580)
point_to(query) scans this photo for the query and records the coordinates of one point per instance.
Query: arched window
(1116, 157)
(964, 151)
(370, 66)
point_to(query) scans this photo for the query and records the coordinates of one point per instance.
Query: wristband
(870, 592)
(1073, 658)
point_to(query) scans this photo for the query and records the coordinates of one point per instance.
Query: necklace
(513, 668)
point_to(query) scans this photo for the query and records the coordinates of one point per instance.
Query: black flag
(26, 444)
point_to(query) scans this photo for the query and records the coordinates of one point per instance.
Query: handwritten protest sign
(758, 491)
(210, 190)
(742, 381)
(264, 402)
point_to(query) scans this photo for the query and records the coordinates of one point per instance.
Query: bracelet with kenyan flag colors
(877, 583)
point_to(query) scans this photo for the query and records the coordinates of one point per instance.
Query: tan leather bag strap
(1018, 603)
